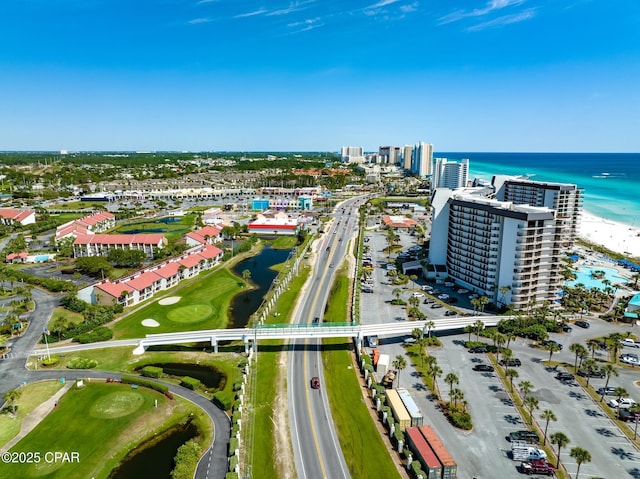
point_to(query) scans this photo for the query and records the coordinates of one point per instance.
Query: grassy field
(204, 302)
(101, 422)
(173, 231)
(32, 396)
(262, 442)
(123, 360)
(363, 448)
(61, 312)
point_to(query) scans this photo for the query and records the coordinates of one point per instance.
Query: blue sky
(497, 75)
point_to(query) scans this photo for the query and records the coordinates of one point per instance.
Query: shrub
(233, 462)
(233, 445)
(81, 363)
(231, 475)
(417, 469)
(461, 420)
(186, 460)
(101, 333)
(50, 362)
(190, 383)
(144, 383)
(151, 372)
(223, 400)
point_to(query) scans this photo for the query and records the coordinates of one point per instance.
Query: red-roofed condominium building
(24, 217)
(101, 244)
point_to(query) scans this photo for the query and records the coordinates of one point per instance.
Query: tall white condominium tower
(565, 199)
(509, 253)
(352, 154)
(407, 151)
(389, 154)
(422, 159)
(449, 174)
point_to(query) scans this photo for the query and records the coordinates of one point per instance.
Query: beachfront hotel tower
(422, 159)
(449, 174)
(507, 252)
(564, 199)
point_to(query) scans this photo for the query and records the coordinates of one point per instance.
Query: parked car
(524, 435)
(538, 466)
(449, 284)
(564, 376)
(409, 340)
(566, 328)
(594, 373)
(473, 296)
(436, 306)
(483, 367)
(630, 359)
(583, 324)
(511, 362)
(449, 313)
(628, 342)
(621, 402)
(315, 382)
(478, 349)
(417, 294)
(608, 391)
(547, 342)
(463, 291)
(426, 287)
(428, 301)
(443, 296)
(625, 415)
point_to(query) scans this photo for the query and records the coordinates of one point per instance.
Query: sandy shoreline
(615, 236)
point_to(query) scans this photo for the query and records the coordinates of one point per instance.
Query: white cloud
(504, 20)
(197, 21)
(251, 14)
(293, 7)
(409, 8)
(381, 3)
(491, 6)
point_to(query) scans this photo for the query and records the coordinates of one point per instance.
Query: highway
(315, 443)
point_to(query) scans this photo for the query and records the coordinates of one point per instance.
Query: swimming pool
(584, 277)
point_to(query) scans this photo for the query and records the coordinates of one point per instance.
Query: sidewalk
(32, 419)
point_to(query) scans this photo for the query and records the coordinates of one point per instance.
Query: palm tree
(531, 403)
(593, 346)
(580, 455)
(510, 337)
(399, 363)
(246, 275)
(525, 387)
(451, 379)
(499, 339)
(416, 333)
(579, 350)
(614, 343)
(413, 279)
(430, 325)
(503, 290)
(561, 440)
(635, 409)
(456, 395)
(435, 372)
(475, 302)
(11, 397)
(620, 393)
(609, 370)
(511, 374)
(396, 292)
(590, 365)
(478, 327)
(547, 415)
(482, 302)
(552, 347)
(422, 348)
(468, 329)
(413, 301)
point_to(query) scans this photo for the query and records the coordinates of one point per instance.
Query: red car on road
(315, 382)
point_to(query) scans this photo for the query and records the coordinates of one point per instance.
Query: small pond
(207, 375)
(155, 458)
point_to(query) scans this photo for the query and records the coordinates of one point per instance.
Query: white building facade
(450, 174)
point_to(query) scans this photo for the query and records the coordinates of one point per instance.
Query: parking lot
(484, 451)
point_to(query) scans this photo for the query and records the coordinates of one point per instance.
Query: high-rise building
(565, 199)
(509, 253)
(407, 151)
(389, 154)
(352, 154)
(449, 174)
(422, 158)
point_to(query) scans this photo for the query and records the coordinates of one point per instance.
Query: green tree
(246, 275)
(11, 397)
(561, 440)
(399, 364)
(59, 326)
(396, 292)
(579, 350)
(469, 329)
(525, 388)
(478, 326)
(511, 374)
(451, 379)
(580, 455)
(552, 348)
(547, 415)
(609, 370)
(531, 403)
(456, 395)
(430, 325)
(590, 365)
(435, 371)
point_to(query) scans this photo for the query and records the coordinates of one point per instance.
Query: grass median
(364, 450)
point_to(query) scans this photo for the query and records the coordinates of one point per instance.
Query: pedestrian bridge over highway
(301, 331)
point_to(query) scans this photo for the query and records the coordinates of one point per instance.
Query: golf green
(192, 313)
(117, 404)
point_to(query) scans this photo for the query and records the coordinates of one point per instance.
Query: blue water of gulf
(611, 181)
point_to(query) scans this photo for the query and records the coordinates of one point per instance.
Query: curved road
(13, 373)
(315, 443)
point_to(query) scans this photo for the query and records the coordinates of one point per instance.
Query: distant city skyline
(310, 75)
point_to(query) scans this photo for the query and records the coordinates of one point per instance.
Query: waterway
(262, 276)
(155, 458)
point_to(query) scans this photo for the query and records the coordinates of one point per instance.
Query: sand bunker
(170, 300)
(150, 323)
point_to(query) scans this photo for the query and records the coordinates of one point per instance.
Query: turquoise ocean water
(611, 181)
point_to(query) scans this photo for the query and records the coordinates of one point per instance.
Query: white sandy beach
(617, 237)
